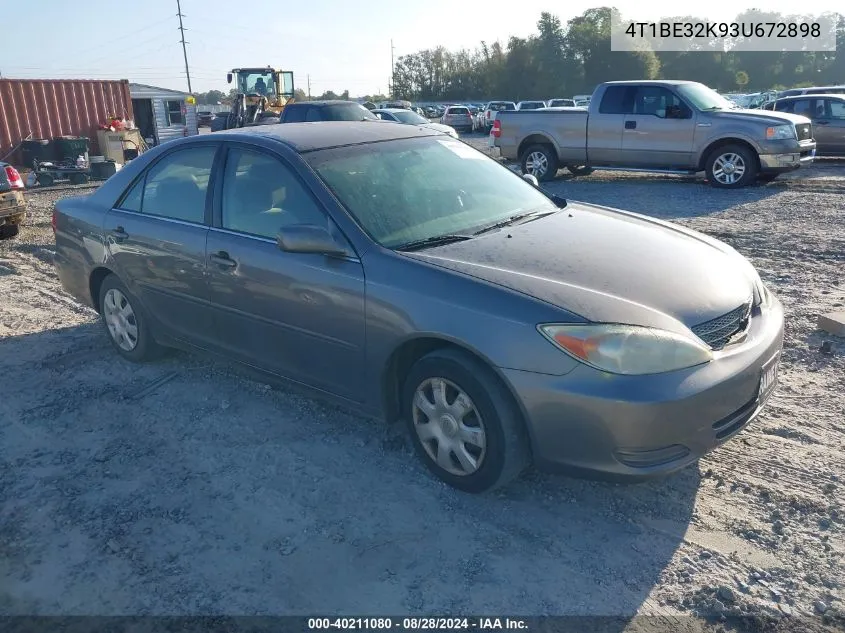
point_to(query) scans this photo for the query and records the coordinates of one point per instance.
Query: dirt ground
(187, 487)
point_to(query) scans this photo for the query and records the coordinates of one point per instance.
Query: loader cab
(266, 82)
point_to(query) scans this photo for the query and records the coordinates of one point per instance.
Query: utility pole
(184, 50)
(392, 74)
(309, 86)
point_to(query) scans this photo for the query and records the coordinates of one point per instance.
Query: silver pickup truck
(664, 126)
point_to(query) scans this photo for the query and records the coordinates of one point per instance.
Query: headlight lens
(780, 132)
(627, 349)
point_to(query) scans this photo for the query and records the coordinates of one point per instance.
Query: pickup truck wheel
(731, 167)
(579, 170)
(540, 161)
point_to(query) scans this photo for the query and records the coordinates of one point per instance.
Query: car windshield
(409, 190)
(406, 116)
(705, 98)
(347, 112)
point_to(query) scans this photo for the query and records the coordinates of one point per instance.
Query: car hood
(608, 266)
(764, 116)
(439, 127)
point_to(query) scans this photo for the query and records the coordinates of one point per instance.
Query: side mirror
(229, 78)
(531, 179)
(309, 238)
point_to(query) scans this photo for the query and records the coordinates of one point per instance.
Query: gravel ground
(188, 487)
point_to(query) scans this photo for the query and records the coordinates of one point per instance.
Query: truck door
(659, 131)
(605, 125)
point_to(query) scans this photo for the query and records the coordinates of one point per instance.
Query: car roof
(809, 96)
(312, 136)
(326, 102)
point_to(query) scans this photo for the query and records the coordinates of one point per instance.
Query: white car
(561, 103)
(530, 105)
(408, 117)
(489, 114)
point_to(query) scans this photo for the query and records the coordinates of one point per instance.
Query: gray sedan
(403, 273)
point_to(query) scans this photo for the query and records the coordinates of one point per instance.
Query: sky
(336, 44)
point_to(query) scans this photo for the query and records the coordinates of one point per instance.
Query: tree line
(562, 60)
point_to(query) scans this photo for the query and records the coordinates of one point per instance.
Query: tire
(767, 177)
(579, 170)
(499, 453)
(546, 156)
(113, 294)
(8, 231)
(736, 156)
(46, 180)
(78, 179)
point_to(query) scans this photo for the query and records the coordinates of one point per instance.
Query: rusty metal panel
(47, 108)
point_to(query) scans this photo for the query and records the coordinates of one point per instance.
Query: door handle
(118, 234)
(222, 259)
(630, 125)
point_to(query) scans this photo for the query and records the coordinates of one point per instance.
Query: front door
(299, 315)
(659, 131)
(156, 238)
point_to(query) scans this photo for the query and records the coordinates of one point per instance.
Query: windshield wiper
(437, 240)
(530, 215)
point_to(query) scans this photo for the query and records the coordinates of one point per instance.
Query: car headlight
(627, 349)
(780, 132)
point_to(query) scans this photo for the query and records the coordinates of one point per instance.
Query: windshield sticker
(462, 150)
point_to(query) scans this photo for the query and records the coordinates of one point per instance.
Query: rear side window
(618, 100)
(294, 114)
(177, 185)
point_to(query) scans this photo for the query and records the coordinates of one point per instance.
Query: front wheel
(464, 426)
(540, 161)
(731, 167)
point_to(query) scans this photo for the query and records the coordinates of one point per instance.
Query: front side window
(655, 100)
(836, 109)
(411, 189)
(261, 195)
(174, 113)
(176, 186)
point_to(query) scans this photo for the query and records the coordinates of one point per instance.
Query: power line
(184, 49)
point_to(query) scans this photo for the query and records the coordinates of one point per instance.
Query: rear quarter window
(617, 100)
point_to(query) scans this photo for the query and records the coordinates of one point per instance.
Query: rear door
(605, 125)
(296, 314)
(659, 132)
(155, 237)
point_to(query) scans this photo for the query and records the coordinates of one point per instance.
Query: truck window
(617, 100)
(654, 100)
(803, 107)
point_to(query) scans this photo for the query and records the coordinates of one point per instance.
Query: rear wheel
(126, 323)
(464, 425)
(731, 167)
(540, 161)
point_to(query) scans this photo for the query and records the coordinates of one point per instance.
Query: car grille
(719, 331)
(804, 131)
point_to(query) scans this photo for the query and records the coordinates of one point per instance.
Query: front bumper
(788, 161)
(636, 427)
